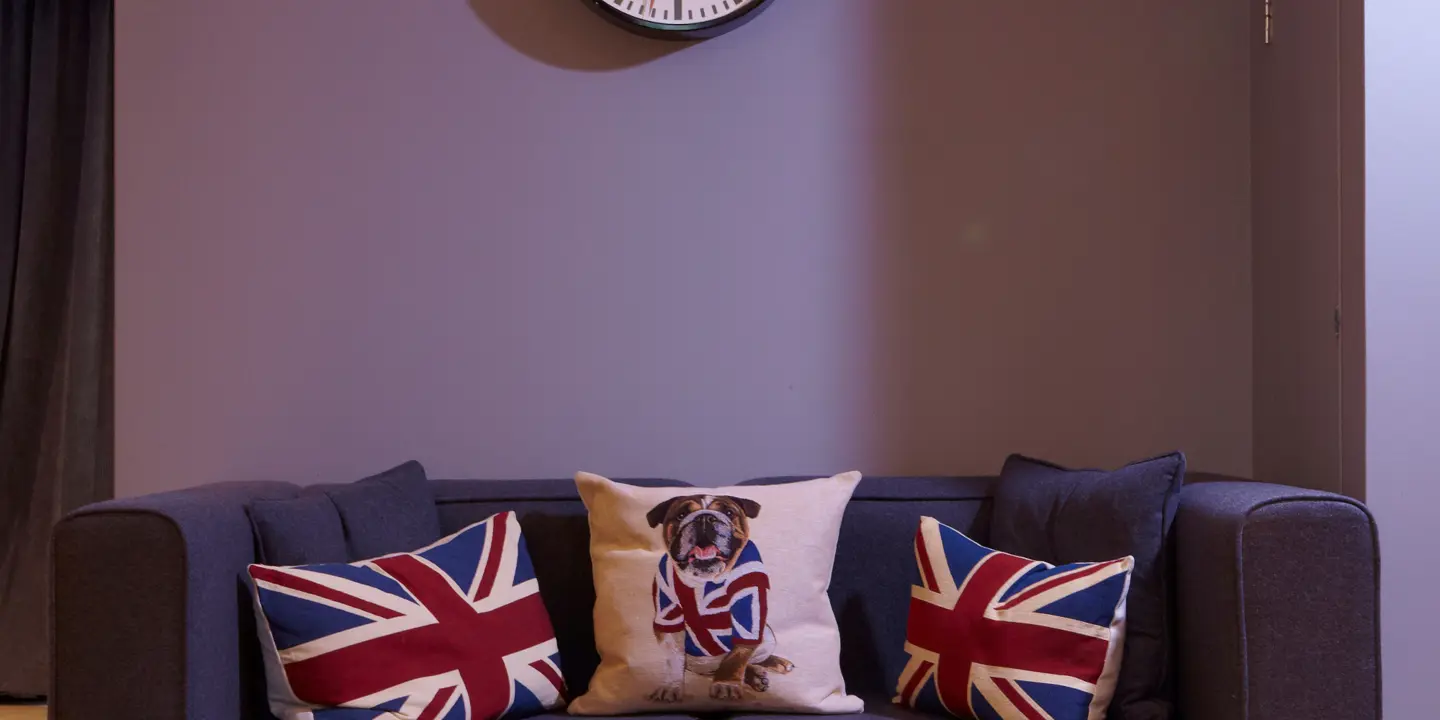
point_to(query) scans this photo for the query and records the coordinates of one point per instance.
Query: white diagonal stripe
(354, 636)
(339, 584)
(1027, 612)
(984, 681)
(935, 550)
(1038, 677)
(484, 558)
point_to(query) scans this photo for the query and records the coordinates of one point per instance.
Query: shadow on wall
(566, 34)
(1060, 254)
(1059, 258)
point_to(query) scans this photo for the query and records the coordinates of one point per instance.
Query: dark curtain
(56, 249)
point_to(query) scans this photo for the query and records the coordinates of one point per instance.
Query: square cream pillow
(715, 599)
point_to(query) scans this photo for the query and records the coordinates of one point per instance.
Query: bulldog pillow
(715, 600)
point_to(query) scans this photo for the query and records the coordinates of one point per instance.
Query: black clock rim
(690, 31)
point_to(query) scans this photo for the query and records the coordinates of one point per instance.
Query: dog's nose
(706, 529)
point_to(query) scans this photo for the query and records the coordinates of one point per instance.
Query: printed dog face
(704, 534)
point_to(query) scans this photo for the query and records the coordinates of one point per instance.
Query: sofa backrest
(870, 590)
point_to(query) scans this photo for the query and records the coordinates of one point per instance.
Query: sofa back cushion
(301, 530)
(869, 591)
(391, 512)
(1060, 516)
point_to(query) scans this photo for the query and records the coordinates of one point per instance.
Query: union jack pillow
(994, 636)
(453, 631)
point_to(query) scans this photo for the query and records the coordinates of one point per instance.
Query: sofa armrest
(1278, 600)
(150, 621)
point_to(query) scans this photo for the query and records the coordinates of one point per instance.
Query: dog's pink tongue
(703, 553)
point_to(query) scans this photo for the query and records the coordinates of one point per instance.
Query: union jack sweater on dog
(717, 615)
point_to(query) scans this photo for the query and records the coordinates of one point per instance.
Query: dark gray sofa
(1275, 595)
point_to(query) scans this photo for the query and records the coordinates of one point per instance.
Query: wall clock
(679, 19)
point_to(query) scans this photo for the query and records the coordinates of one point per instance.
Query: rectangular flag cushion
(715, 599)
(453, 631)
(995, 636)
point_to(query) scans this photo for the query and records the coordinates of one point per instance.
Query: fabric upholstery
(1062, 516)
(151, 620)
(345, 522)
(168, 567)
(298, 531)
(562, 715)
(387, 513)
(1278, 607)
(877, 707)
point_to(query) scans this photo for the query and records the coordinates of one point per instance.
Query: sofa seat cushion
(877, 707)
(651, 716)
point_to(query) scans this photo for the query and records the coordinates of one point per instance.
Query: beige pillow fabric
(715, 599)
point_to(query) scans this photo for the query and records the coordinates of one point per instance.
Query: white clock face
(679, 12)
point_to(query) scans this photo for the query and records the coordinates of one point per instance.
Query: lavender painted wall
(509, 240)
(1402, 79)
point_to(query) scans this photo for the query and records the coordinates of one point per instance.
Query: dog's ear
(751, 508)
(657, 514)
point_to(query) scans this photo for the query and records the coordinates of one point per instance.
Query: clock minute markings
(679, 7)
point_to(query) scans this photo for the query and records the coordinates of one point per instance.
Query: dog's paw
(775, 663)
(726, 690)
(757, 679)
(666, 694)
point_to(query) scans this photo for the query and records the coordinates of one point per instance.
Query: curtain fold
(56, 256)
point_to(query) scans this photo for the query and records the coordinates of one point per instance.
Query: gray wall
(509, 240)
(1402, 78)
